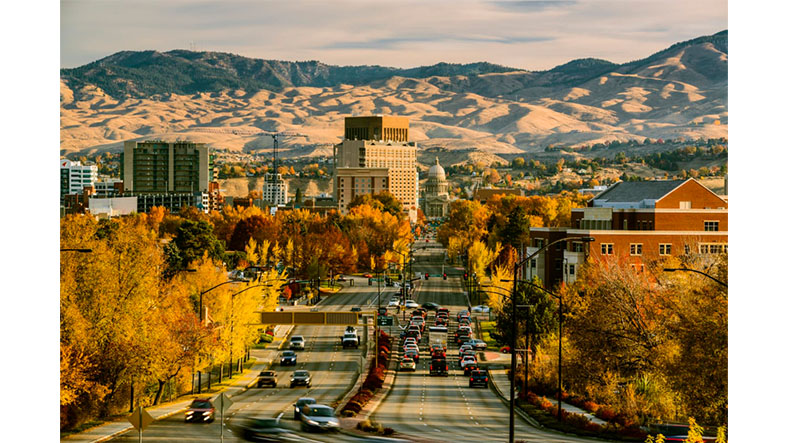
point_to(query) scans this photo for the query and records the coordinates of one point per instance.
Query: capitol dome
(437, 171)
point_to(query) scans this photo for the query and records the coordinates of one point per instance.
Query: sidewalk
(112, 429)
(502, 386)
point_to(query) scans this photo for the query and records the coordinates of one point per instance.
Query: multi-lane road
(419, 407)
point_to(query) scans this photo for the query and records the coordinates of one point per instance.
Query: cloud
(399, 42)
(531, 5)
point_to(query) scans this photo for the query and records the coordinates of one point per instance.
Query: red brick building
(639, 221)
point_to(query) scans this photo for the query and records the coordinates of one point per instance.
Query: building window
(571, 269)
(664, 248)
(713, 225)
(636, 249)
(607, 248)
(685, 205)
(713, 248)
(538, 242)
(533, 263)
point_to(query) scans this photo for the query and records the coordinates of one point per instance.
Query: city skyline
(531, 35)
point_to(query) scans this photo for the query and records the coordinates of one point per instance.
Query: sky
(526, 34)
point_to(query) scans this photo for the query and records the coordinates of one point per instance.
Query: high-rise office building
(74, 177)
(275, 189)
(376, 155)
(160, 167)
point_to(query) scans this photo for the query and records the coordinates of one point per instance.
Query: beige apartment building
(376, 156)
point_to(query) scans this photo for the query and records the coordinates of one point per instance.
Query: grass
(485, 328)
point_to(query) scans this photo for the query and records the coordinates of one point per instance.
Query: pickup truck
(349, 340)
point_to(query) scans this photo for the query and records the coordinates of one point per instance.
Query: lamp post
(518, 267)
(697, 272)
(513, 365)
(560, 335)
(211, 289)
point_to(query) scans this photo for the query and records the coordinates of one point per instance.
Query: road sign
(385, 320)
(140, 419)
(224, 402)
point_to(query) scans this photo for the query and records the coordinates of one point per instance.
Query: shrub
(347, 413)
(606, 413)
(388, 431)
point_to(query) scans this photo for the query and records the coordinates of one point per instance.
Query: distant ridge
(142, 74)
(476, 110)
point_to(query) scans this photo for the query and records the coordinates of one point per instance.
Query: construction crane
(276, 136)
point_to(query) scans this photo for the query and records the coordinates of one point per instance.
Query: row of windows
(667, 248)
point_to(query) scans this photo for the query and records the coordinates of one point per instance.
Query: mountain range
(477, 109)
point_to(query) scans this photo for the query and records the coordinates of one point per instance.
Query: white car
(411, 304)
(410, 341)
(468, 359)
(297, 342)
(481, 308)
(393, 302)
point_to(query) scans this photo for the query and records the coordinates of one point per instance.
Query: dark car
(263, 429)
(316, 417)
(439, 366)
(430, 306)
(200, 411)
(412, 353)
(301, 377)
(299, 404)
(289, 358)
(266, 378)
(478, 378)
(355, 309)
(341, 278)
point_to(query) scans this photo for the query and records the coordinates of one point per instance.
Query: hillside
(223, 99)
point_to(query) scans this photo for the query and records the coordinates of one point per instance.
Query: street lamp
(696, 271)
(560, 335)
(513, 351)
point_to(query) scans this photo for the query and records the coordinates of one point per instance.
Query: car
(201, 410)
(301, 377)
(410, 347)
(297, 342)
(393, 302)
(477, 343)
(441, 322)
(355, 309)
(299, 405)
(430, 306)
(481, 308)
(266, 378)
(407, 364)
(478, 378)
(443, 311)
(410, 304)
(317, 417)
(467, 352)
(467, 360)
(341, 278)
(506, 349)
(439, 366)
(463, 313)
(367, 275)
(412, 353)
(438, 353)
(350, 340)
(410, 340)
(289, 358)
(469, 368)
(264, 429)
(464, 347)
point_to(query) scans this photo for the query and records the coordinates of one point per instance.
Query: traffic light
(426, 276)
(465, 276)
(444, 276)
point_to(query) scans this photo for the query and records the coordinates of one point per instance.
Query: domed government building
(435, 200)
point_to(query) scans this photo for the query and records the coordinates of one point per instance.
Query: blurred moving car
(301, 377)
(481, 308)
(200, 411)
(430, 306)
(478, 378)
(477, 343)
(263, 429)
(316, 417)
(299, 404)
(289, 358)
(266, 378)
(297, 342)
(411, 304)
(407, 364)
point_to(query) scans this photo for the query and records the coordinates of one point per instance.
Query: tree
(298, 197)
(195, 238)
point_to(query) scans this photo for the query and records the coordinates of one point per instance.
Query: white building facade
(74, 176)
